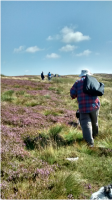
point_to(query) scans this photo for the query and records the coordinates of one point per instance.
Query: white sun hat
(84, 72)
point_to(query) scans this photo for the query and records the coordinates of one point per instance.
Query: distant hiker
(42, 76)
(88, 107)
(49, 76)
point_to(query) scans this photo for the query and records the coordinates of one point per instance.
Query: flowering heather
(24, 84)
(13, 115)
(12, 144)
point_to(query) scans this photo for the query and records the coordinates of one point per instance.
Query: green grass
(7, 96)
(47, 96)
(63, 185)
(53, 112)
(31, 103)
(72, 135)
(20, 92)
(49, 155)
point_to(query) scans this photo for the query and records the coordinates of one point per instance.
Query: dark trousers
(89, 125)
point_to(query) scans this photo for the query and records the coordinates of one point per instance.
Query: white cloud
(52, 55)
(68, 35)
(29, 49)
(68, 47)
(84, 53)
(55, 37)
(19, 49)
(50, 38)
(32, 49)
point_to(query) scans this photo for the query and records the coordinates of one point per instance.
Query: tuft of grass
(63, 185)
(47, 96)
(105, 102)
(59, 90)
(52, 88)
(7, 96)
(39, 88)
(57, 80)
(72, 185)
(31, 103)
(20, 92)
(9, 92)
(27, 95)
(20, 101)
(17, 86)
(49, 155)
(106, 143)
(63, 80)
(72, 135)
(55, 130)
(86, 150)
(53, 112)
(95, 169)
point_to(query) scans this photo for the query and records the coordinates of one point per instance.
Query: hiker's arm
(73, 91)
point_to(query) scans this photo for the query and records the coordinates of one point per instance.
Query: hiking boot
(91, 145)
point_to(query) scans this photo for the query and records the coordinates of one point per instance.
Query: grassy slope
(37, 137)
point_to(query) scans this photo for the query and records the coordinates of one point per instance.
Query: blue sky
(62, 37)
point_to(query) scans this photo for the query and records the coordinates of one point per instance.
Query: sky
(61, 37)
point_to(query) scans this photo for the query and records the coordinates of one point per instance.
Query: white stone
(72, 159)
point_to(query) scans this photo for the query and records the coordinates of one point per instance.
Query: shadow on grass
(57, 136)
(80, 140)
(36, 142)
(74, 124)
(42, 141)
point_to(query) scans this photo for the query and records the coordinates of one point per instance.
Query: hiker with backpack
(42, 76)
(89, 104)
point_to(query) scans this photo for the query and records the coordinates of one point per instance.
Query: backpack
(92, 87)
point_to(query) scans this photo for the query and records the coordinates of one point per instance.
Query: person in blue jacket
(49, 76)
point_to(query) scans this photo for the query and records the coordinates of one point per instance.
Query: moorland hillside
(39, 131)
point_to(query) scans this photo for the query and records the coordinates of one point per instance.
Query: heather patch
(32, 171)
(19, 172)
(12, 144)
(60, 116)
(13, 116)
(24, 84)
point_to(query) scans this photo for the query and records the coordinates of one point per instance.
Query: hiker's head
(84, 72)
